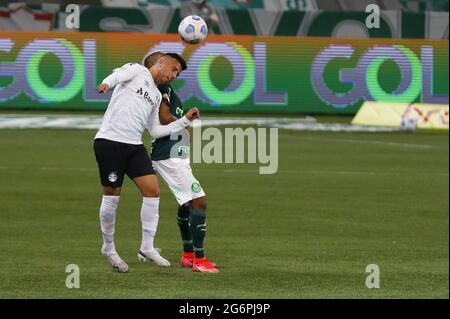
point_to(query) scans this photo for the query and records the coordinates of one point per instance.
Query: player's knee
(111, 191)
(199, 203)
(151, 191)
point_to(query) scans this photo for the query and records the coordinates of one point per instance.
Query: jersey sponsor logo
(146, 96)
(112, 177)
(196, 188)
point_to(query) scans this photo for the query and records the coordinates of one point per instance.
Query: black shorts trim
(115, 159)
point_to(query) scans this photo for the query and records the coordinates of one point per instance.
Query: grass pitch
(339, 202)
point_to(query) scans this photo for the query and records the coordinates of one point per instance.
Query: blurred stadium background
(353, 188)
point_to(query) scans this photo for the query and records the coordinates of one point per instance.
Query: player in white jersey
(134, 107)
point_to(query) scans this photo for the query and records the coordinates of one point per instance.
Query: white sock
(107, 221)
(149, 219)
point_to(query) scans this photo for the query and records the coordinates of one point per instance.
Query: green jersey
(162, 147)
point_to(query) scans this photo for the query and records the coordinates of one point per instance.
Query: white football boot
(118, 264)
(153, 256)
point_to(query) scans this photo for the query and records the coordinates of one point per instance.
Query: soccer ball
(192, 29)
(408, 123)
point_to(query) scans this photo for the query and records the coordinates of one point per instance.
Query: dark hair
(177, 57)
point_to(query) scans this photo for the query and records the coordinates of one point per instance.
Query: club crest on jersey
(112, 177)
(196, 188)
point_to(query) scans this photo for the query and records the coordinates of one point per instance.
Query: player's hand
(102, 88)
(193, 114)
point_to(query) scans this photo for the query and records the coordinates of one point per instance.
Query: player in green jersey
(170, 158)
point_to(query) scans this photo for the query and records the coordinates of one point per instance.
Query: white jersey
(134, 107)
(134, 99)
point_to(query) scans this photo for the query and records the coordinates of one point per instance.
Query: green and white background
(251, 74)
(286, 17)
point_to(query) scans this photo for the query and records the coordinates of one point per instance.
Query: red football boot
(204, 265)
(187, 259)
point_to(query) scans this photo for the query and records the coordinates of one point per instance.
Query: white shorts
(177, 173)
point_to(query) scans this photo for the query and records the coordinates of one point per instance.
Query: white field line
(307, 123)
(331, 127)
(360, 141)
(43, 168)
(239, 171)
(12, 121)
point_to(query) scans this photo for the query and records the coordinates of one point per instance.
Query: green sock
(183, 224)
(197, 224)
